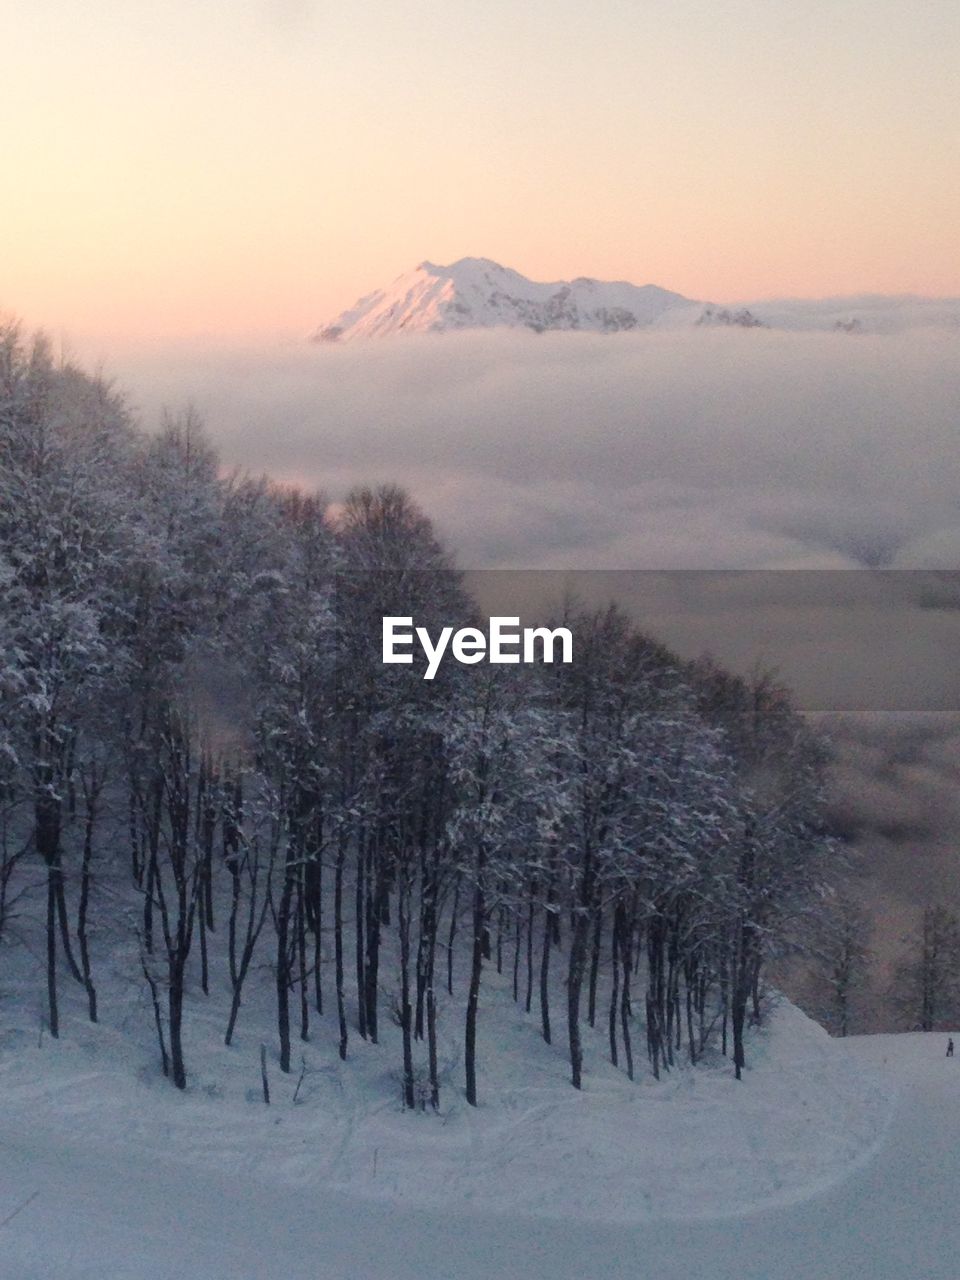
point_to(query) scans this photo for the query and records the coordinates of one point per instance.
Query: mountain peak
(478, 293)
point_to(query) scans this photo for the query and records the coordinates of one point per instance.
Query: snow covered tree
(840, 952)
(65, 455)
(295, 695)
(191, 680)
(927, 981)
(392, 565)
(501, 748)
(782, 851)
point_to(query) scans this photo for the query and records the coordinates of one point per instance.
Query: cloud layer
(678, 450)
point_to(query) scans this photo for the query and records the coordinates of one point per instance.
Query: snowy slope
(130, 1216)
(110, 1173)
(476, 293)
(697, 1144)
(107, 1172)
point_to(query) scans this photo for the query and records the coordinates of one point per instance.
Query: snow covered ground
(127, 1216)
(109, 1173)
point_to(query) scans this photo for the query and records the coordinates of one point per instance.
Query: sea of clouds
(697, 449)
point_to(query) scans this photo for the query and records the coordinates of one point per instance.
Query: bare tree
(927, 982)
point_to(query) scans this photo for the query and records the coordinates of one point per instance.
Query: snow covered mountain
(476, 293)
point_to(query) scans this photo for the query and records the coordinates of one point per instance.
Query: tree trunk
(53, 1012)
(204, 964)
(283, 965)
(83, 905)
(359, 899)
(338, 946)
(175, 1021)
(575, 973)
(517, 930)
(374, 918)
(473, 997)
(531, 909)
(451, 937)
(545, 976)
(301, 936)
(626, 953)
(614, 984)
(406, 1009)
(594, 967)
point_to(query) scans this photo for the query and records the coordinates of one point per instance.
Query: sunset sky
(204, 166)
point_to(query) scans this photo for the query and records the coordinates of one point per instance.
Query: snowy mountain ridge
(477, 293)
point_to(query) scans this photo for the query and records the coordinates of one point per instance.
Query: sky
(240, 167)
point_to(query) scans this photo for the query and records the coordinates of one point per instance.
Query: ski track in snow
(894, 1217)
(135, 1181)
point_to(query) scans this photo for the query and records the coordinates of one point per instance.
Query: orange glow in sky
(206, 166)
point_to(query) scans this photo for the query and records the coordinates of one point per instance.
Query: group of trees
(927, 979)
(851, 985)
(194, 713)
